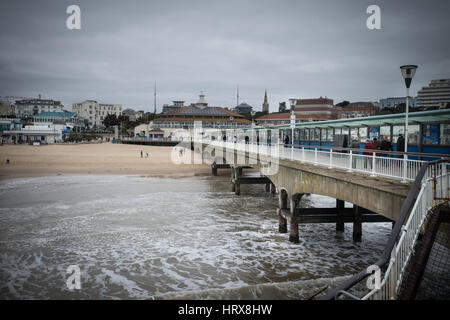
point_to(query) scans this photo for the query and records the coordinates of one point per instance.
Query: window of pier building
(385, 131)
(323, 136)
(430, 133)
(363, 134)
(354, 133)
(413, 134)
(445, 133)
(330, 132)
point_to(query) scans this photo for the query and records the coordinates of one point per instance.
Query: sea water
(166, 237)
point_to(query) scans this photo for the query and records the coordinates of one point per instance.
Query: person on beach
(141, 154)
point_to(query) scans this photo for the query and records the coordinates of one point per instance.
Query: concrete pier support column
(293, 227)
(357, 223)
(233, 175)
(237, 185)
(340, 204)
(282, 226)
(267, 186)
(273, 189)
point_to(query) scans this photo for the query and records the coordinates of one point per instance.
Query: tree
(111, 120)
(343, 103)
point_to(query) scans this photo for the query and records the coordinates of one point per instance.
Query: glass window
(362, 134)
(330, 134)
(353, 133)
(431, 133)
(324, 135)
(445, 133)
(385, 131)
(413, 134)
(316, 134)
(337, 131)
(396, 130)
(302, 134)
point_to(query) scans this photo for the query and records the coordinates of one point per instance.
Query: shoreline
(96, 159)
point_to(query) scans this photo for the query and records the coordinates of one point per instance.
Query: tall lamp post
(292, 103)
(408, 72)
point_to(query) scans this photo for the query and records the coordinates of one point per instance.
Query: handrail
(386, 255)
(378, 151)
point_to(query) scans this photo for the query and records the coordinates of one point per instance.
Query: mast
(154, 112)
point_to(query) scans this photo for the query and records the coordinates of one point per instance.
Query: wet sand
(101, 158)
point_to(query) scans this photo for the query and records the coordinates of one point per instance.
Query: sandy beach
(102, 158)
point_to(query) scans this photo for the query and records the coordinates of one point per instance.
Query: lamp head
(408, 72)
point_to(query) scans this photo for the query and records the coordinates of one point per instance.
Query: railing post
(331, 159)
(350, 165)
(292, 152)
(315, 156)
(303, 154)
(405, 163)
(373, 165)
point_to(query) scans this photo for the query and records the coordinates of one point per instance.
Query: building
(30, 107)
(69, 119)
(6, 108)
(174, 122)
(437, 94)
(358, 109)
(243, 108)
(95, 112)
(316, 109)
(176, 105)
(395, 101)
(274, 119)
(265, 105)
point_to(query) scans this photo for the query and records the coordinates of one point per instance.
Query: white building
(437, 94)
(29, 107)
(96, 112)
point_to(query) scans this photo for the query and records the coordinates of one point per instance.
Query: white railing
(374, 164)
(404, 248)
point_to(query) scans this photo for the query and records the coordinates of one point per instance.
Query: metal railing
(432, 177)
(371, 162)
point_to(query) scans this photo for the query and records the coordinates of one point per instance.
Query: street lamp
(292, 103)
(408, 72)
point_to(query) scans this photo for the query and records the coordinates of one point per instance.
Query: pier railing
(375, 163)
(430, 187)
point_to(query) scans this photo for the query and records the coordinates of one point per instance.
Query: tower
(265, 106)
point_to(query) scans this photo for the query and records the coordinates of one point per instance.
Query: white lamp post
(292, 103)
(408, 72)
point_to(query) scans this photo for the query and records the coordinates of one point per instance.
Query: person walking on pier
(367, 159)
(355, 145)
(286, 140)
(385, 145)
(141, 154)
(400, 145)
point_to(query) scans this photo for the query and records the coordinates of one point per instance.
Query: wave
(299, 289)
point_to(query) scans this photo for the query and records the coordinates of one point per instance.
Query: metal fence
(373, 164)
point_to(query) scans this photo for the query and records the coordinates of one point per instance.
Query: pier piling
(357, 223)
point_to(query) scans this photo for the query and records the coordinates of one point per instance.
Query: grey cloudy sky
(295, 49)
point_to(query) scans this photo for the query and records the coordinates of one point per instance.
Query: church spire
(265, 106)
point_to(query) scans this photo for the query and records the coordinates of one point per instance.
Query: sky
(294, 49)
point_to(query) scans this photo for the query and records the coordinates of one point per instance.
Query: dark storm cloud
(293, 48)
